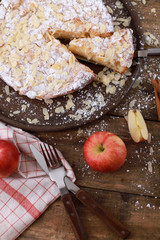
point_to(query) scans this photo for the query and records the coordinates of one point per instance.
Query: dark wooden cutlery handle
(112, 222)
(74, 218)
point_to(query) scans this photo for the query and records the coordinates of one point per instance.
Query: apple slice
(137, 126)
(104, 151)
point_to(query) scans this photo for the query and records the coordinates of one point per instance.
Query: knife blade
(53, 173)
(71, 186)
(40, 159)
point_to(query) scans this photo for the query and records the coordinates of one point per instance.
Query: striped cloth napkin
(26, 194)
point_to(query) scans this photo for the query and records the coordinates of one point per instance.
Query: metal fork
(57, 174)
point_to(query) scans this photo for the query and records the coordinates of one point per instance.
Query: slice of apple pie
(115, 52)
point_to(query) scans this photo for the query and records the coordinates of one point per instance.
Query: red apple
(9, 157)
(104, 151)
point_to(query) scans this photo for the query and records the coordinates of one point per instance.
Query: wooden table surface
(132, 193)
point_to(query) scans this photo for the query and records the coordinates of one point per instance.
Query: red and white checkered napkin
(26, 194)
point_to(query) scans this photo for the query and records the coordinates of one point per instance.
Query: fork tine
(57, 156)
(44, 154)
(53, 157)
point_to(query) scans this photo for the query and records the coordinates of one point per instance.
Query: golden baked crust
(115, 52)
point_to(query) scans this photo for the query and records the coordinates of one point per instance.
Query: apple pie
(32, 61)
(115, 52)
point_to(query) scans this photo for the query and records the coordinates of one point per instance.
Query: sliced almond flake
(58, 103)
(35, 120)
(46, 117)
(121, 19)
(117, 76)
(105, 69)
(122, 82)
(16, 112)
(60, 110)
(150, 168)
(45, 113)
(127, 22)
(136, 83)
(117, 28)
(100, 74)
(150, 39)
(48, 101)
(128, 73)
(134, 3)
(70, 96)
(144, 2)
(131, 104)
(23, 107)
(110, 10)
(106, 79)
(80, 131)
(116, 23)
(7, 89)
(94, 84)
(93, 109)
(70, 103)
(151, 150)
(112, 90)
(8, 99)
(119, 5)
(76, 117)
(149, 137)
(29, 120)
(108, 89)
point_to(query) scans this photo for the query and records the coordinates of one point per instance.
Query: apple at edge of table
(9, 158)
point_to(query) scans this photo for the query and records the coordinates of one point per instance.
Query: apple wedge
(137, 126)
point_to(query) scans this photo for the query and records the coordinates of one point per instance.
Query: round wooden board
(90, 103)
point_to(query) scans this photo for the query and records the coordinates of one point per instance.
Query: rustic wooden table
(132, 193)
